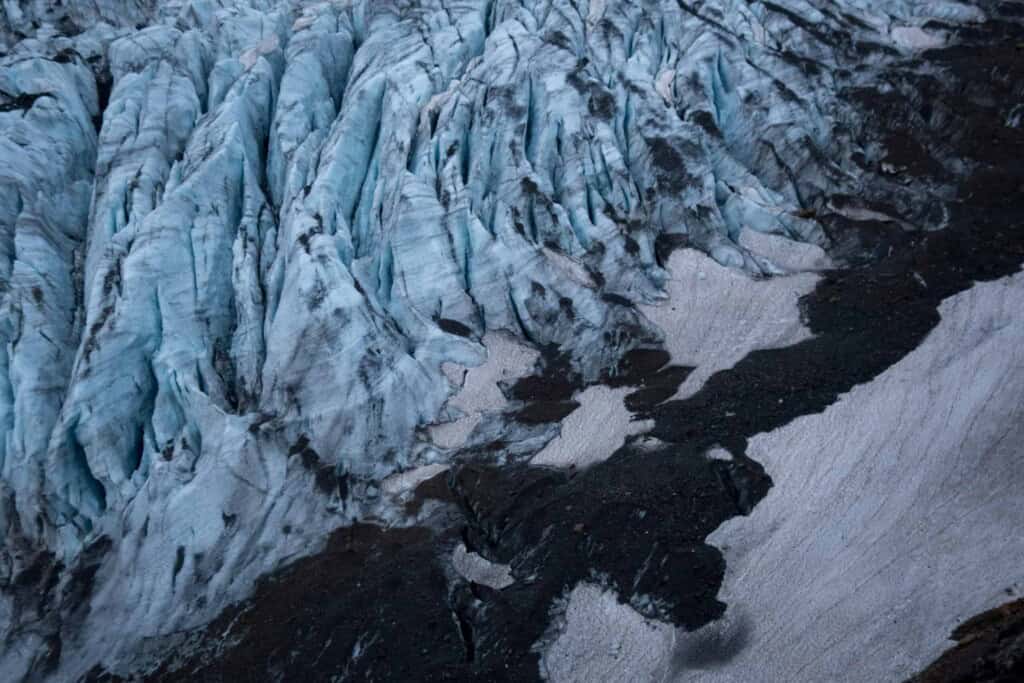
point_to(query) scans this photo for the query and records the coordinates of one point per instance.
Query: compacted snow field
(890, 518)
(506, 339)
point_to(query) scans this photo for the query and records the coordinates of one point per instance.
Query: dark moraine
(990, 649)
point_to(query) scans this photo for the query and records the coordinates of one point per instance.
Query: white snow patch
(916, 38)
(894, 515)
(605, 640)
(717, 315)
(861, 213)
(507, 359)
(473, 567)
(786, 254)
(594, 431)
(401, 483)
(719, 453)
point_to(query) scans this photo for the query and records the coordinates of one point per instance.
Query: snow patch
(402, 483)
(507, 359)
(719, 453)
(916, 38)
(603, 640)
(594, 431)
(472, 567)
(785, 254)
(714, 315)
(894, 515)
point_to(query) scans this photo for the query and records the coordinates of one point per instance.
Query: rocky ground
(989, 648)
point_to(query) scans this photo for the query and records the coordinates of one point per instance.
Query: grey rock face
(239, 238)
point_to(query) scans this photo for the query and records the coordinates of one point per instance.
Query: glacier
(252, 252)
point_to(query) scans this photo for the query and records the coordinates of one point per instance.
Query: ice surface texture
(238, 240)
